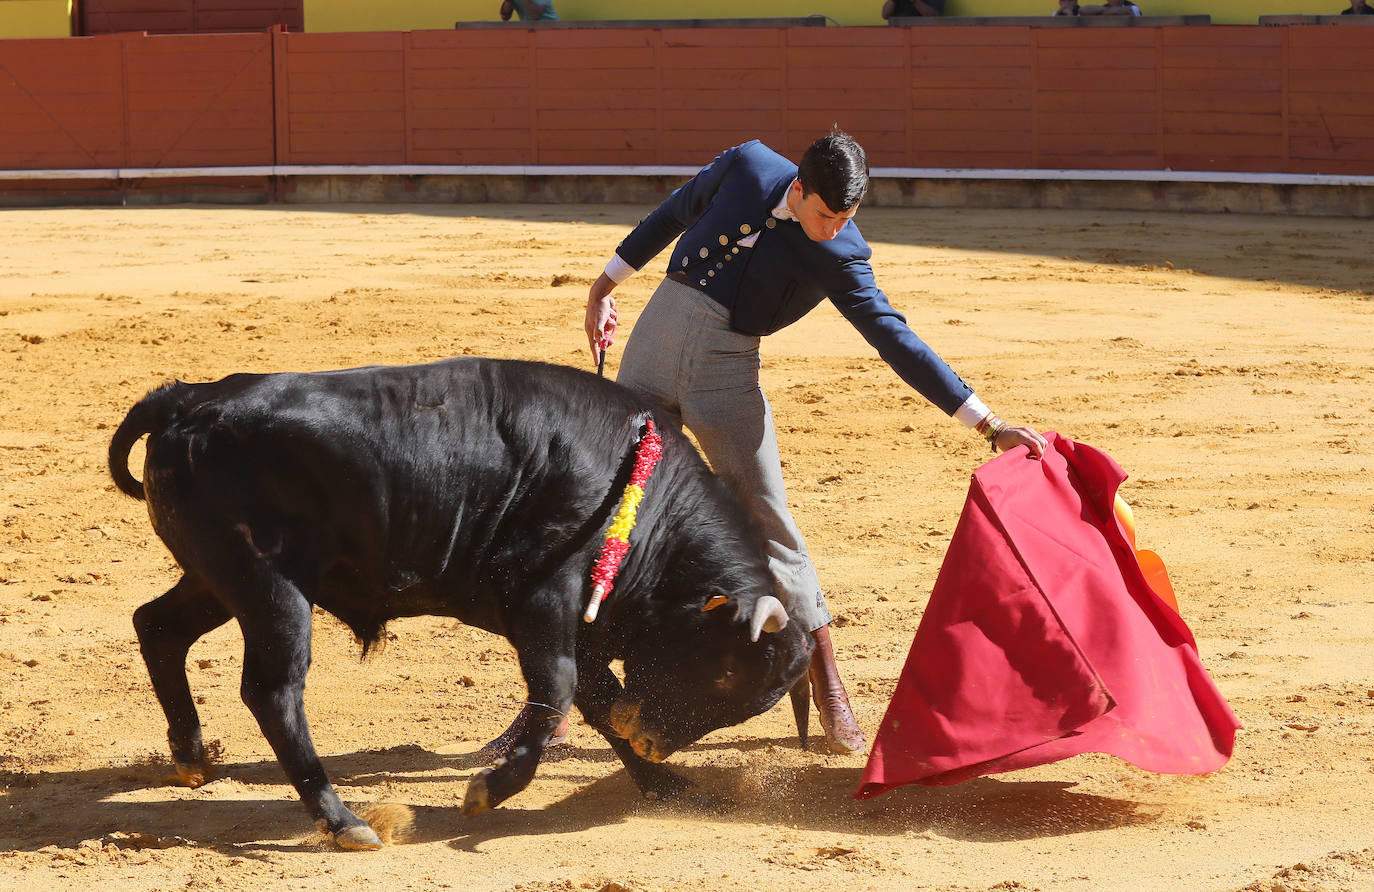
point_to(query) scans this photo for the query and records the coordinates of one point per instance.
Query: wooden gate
(188, 16)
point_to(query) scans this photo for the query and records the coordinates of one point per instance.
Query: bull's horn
(769, 616)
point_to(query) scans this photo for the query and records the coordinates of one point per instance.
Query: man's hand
(1011, 437)
(601, 316)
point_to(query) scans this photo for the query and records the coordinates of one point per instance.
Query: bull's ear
(769, 616)
(713, 602)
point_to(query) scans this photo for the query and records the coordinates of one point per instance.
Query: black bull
(472, 488)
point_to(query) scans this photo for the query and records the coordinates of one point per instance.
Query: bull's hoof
(477, 800)
(665, 786)
(189, 775)
(692, 797)
(700, 799)
(358, 838)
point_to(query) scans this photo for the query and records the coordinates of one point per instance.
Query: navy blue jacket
(785, 274)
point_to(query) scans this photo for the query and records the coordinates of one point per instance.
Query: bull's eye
(727, 680)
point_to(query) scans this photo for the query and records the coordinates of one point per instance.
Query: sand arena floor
(1224, 361)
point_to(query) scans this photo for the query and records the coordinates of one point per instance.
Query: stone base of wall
(1076, 194)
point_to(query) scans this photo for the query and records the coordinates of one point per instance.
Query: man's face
(818, 221)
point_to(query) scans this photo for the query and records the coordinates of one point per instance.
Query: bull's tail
(149, 415)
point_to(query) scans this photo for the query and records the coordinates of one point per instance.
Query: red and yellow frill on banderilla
(617, 544)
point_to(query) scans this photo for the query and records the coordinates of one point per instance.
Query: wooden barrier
(188, 16)
(1221, 98)
(810, 21)
(1222, 102)
(341, 98)
(1051, 21)
(62, 104)
(136, 101)
(1355, 20)
(469, 98)
(198, 101)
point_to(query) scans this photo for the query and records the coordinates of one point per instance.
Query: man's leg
(735, 430)
(684, 356)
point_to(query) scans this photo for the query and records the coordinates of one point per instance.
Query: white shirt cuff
(618, 270)
(972, 411)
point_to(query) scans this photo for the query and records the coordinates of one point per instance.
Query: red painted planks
(1187, 80)
(1337, 129)
(960, 98)
(1234, 59)
(1222, 35)
(1224, 123)
(62, 104)
(344, 100)
(1329, 40)
(971, 78)
(1119, 39)
(966, 158)
(1326, 148)
(972, 122)
(475, 100)
(740, 81)
(1223, 146)
(926, 56)
(1096, 126)
(1329, 81)
(210, 104)
(1329, 104)
(698, 101)
(722, 118)
(188, 16)
(693, 59)
(1142, 103)
(962, 140)
(1187, 98)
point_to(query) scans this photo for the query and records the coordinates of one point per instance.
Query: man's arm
(652, 235)
(916, 363)
(678, 211)
(886, 330)
(602, 319)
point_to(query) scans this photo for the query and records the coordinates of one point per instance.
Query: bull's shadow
(38, 810)
(814, 797)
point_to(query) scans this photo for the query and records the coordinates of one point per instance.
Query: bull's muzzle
(625, 721)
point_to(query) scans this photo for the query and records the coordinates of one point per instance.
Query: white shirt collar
(782, 211)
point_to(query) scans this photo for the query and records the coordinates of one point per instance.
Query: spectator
(1067, 7)
(1113, 7)
(1358, 7)
(529, 10)
(911, 8)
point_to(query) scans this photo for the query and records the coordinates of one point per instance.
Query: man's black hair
(836, 168)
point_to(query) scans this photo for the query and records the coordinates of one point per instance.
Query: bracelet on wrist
(990, 427)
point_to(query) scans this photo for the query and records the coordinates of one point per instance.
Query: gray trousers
(683, 356)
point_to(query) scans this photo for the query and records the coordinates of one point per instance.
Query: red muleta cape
(1043, 640)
